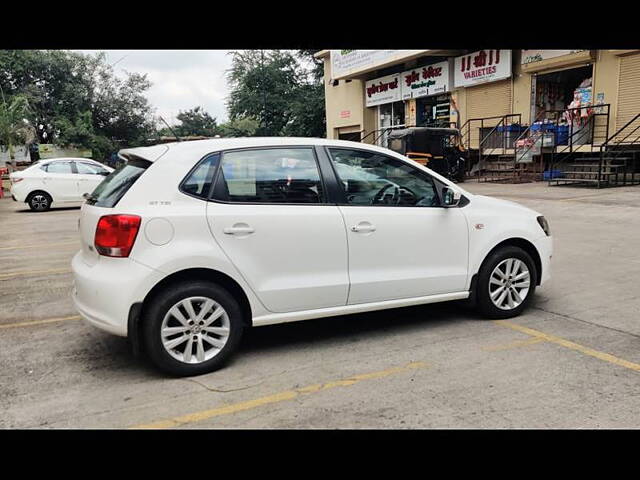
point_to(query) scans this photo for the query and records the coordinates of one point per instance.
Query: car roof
(199, 148)
(49, 160)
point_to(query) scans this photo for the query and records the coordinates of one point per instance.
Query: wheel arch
(137, 309)
(35, 192)
(525, 245)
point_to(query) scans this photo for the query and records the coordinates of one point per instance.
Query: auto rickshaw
(438, 148)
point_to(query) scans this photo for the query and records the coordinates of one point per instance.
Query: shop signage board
(424, 81)
(530, 56)
(481, 67)
(383, 90)
(344, 62)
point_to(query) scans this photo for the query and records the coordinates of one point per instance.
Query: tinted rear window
(117, 183)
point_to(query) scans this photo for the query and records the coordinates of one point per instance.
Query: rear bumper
(104, 293)
(17, 192)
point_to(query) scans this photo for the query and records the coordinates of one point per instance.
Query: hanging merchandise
(579, 112)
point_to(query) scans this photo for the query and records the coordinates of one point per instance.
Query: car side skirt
(275, 318)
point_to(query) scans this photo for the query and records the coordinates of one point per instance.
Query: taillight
(116, 234)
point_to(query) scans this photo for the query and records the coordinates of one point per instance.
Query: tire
(159, 316)
(485, 287)
(39, 201)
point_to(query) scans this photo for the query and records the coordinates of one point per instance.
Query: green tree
(240, 127)
(66, 89)
(14, 127)
(283, 90)
(196, 122)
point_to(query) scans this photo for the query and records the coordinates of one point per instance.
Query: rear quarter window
(109, 192)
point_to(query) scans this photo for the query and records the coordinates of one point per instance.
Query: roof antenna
(170, 129)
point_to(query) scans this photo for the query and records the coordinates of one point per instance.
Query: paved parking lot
(572, 361)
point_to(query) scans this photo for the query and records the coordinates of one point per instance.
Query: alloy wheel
(509, 284)
(39, 202)
(195, 330)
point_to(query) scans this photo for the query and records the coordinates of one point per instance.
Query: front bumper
(545, 249)
(104, 292)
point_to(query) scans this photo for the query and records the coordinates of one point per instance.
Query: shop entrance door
(390, 116)
(556, 90)
(433, 111)
(561, 98)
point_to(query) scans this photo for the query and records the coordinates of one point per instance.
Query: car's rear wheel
(506, 283)
(39, 201)
(192, 328)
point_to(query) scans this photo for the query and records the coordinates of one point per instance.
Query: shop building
(485, 92)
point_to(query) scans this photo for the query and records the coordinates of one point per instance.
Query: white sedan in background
(57, 182)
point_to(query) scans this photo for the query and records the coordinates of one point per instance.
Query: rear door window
(117, 183)
(89, 168)
(59, 167)
(270, 175)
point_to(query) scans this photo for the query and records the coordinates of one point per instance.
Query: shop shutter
(488, 100)
(628, 91)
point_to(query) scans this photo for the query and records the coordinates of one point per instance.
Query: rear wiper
(89, 198)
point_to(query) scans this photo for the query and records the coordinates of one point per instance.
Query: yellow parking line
(517, 344)
(39, 322)
(276, 398)
(571, 345)
(41, 245)
(26, 273)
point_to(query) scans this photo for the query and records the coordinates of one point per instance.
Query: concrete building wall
(349, 96)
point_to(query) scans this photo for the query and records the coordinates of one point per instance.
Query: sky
(182, 79)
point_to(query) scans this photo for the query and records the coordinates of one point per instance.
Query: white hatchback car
(57, 182)
(188, 243)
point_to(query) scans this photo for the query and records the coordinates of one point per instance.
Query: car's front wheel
(506, 283)
(192, 328)
(39, 201)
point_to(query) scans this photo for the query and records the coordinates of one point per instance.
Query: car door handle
(236, 230)
(363, 227)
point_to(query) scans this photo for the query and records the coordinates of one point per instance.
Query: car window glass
(89, 168)
(109, 192)
(274, 175)
(371, 178)
(198, 182)
(59, 167)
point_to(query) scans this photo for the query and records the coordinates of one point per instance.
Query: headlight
(545, 225)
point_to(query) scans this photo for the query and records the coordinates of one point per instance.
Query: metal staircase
(489, 141)
(616, 163)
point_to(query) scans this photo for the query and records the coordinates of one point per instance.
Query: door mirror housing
(450, 197)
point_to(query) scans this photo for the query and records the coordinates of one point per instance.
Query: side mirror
(450, 197)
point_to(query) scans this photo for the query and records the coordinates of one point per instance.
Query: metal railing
(587, 132)
(467, 130)
(614, 154)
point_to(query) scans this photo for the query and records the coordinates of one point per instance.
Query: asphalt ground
(572, 360)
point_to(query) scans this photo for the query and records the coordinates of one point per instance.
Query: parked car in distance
(57, 182)
(188, 243)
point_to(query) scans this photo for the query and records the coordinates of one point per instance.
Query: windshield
(117, 183)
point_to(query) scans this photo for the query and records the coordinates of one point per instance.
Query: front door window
(370, 178)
